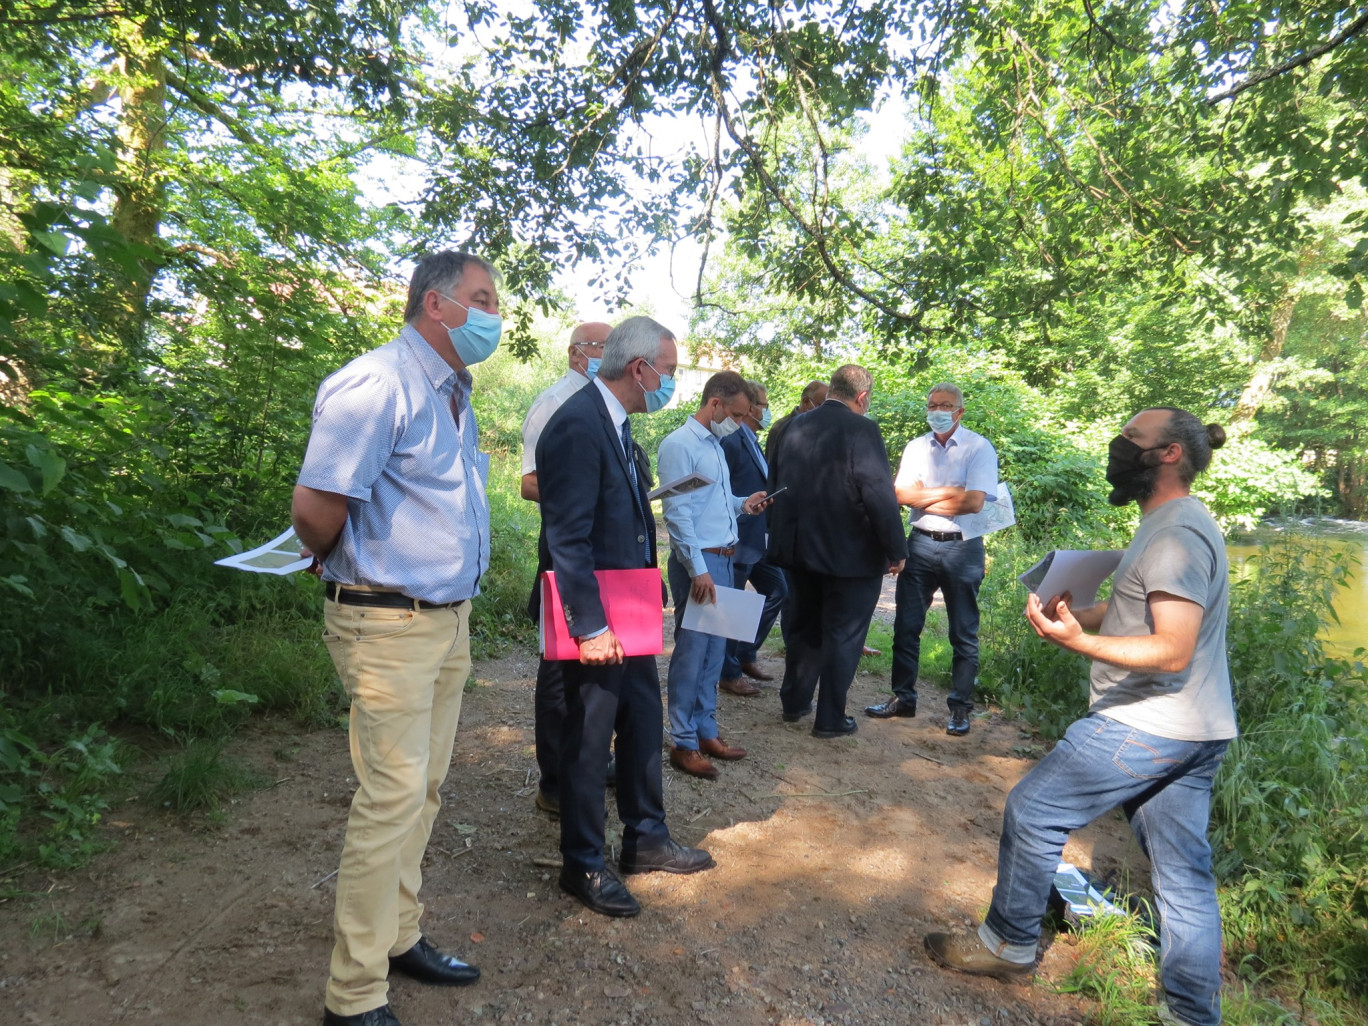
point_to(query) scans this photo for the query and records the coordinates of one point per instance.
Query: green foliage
(198, 778)
(1115, 967)
(52, 801)
(1289, 807)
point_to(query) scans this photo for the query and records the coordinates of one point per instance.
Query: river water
(1327, 535)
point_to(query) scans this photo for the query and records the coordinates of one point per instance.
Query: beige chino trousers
(404, 671)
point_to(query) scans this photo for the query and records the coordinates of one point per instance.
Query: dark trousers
(956, 568)
(830, 620)
(768, 580)
(548, 710)
(599, 700)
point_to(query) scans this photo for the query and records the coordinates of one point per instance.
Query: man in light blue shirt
(702, 526)
(391, 501)
(945, 474)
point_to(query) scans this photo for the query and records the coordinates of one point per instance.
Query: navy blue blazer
(592, 518)
(840, 515)
(747, 476)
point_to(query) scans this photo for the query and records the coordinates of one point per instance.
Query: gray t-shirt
(1177, 549)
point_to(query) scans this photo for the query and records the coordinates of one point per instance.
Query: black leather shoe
(959, 723)
(671, 857)
(599, 891)
(796, 716)
(381, 1016)
(426, 964)
(895, 706)
(848, 727)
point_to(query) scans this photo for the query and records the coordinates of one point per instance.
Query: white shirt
(546, 403)
(967, 460)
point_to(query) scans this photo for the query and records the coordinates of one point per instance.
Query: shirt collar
(616, 411)
(437, 370)
(700, 431)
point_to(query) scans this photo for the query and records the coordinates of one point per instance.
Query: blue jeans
(691, 686)
(769, 581)
(956, 568)
(1164, 787)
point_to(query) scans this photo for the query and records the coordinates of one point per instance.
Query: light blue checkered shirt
(385, 436)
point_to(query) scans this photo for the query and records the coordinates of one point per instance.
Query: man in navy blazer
(749, 473)
(596, 516)
(837, 530)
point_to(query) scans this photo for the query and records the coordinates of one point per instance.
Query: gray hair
(440, 272)
(849, 381)
(1196, 439)
(950, 388)
(636, 338)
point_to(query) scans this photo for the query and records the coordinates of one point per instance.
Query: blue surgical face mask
(592, 363)
(660, 397)
(478, 337)
(941, 421)
(765, 418)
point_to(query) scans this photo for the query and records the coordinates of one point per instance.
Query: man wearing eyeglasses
(585, 353)
(945, 475)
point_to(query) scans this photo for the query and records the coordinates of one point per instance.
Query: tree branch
(1350, 30)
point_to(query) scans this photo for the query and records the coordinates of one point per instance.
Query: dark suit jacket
(840, 515)
(591, 519)
(747, 476)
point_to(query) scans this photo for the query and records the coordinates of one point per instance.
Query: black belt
(940, 535)
(722, 550)
(387, 599)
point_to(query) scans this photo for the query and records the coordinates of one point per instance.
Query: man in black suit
(749, 472)
(596, 516)
(837, 530)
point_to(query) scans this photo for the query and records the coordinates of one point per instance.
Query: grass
(1116, 968)
(935, 650)
(198, 778)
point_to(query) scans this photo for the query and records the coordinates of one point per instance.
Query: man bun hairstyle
(636, 338)
(1198, 441)
(441, 271)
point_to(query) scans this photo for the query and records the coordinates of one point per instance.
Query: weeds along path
(833, 859)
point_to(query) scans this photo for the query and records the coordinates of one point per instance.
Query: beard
(1137, 486)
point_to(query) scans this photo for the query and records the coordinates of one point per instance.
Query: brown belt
(723, 550)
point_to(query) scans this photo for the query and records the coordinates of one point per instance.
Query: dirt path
(833, 859)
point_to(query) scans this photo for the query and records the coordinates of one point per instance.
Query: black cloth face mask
(1131, 478)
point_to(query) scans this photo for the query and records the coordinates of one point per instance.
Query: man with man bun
(1160, 719)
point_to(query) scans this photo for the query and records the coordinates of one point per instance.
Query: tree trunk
(1260, 384)
(141, 194)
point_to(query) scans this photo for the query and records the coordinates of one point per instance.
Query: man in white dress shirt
(945, 475)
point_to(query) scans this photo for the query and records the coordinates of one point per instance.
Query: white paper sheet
(280, 555)
(735, 614)
(1076, 571)
(995, 515)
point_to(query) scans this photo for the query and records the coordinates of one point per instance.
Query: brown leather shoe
(753, 670)
(965, 953)
(719, 749)
(691, 761)
(737, 686)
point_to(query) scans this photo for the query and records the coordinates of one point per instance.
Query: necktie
(636, 493)
(627, 448)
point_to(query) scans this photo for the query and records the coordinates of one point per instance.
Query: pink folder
(631, 602)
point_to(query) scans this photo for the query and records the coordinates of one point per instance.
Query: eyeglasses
(946, 407)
